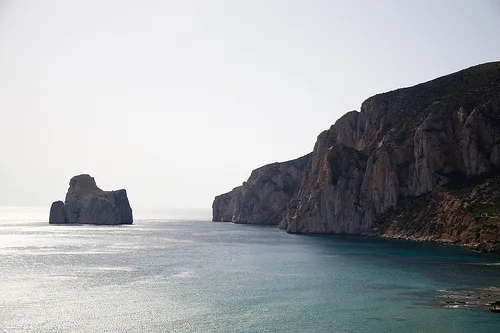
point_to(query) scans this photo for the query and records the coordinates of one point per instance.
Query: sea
(180, 272)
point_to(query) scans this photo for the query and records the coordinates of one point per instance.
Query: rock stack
(85, 203)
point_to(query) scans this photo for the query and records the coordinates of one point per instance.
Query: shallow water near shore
(174, 275)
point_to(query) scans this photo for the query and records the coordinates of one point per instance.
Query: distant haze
(177, 101)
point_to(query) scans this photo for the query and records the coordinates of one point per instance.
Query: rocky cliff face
(86, 203)
(402, 144)
(263, 198)
(467, 214)
(406, 144)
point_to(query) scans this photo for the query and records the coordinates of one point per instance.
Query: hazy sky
(177, 101)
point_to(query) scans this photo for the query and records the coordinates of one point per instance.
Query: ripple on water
(209, 277)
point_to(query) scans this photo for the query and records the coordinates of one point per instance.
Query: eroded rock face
(403, 144)
(448, 215)
(123, 205)
(86, 203)
(263, 198)
(226, 206)
(57, 214)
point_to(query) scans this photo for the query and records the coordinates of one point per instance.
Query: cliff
(85, 203)
(263, 198)
(394, 169)
(464, 213)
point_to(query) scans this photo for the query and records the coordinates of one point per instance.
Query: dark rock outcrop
(86, 203)
(263, 198)
(495, 307)
(404, 145)
(121, 202)
(57, 214)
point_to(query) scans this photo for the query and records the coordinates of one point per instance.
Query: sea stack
(85, 203)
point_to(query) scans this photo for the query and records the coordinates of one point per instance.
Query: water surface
(174, 275)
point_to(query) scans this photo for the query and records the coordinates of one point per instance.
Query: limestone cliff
(407, 145)
(403, 144)
(263, 198)
(86, 203)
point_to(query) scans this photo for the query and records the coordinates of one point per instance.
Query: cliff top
(300, 163)
(83, 184)
(453, 89)
(466, 88)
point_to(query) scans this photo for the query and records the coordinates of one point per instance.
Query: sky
(178, 101)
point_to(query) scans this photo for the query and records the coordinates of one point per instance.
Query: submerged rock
(495, 307)
(85, 203)
(480, 298)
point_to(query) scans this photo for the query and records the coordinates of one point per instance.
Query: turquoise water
(200, 276)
